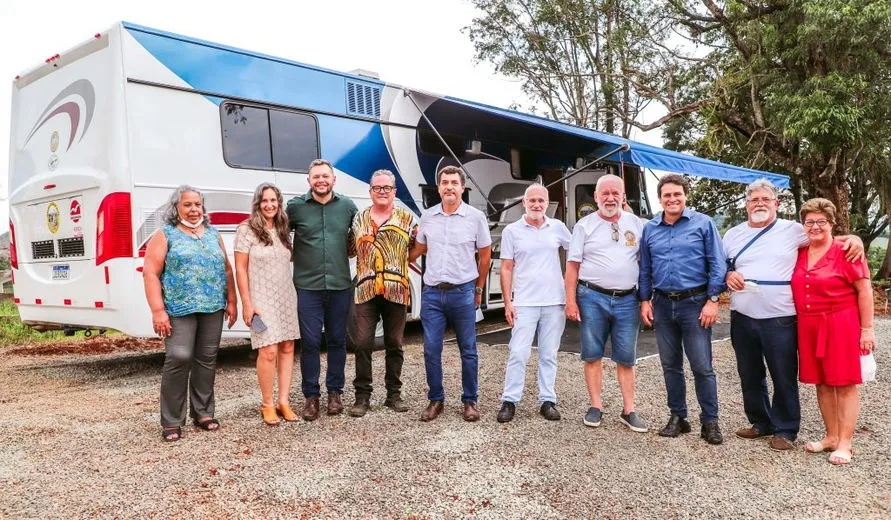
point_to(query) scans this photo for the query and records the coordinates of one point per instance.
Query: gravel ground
(79, 437)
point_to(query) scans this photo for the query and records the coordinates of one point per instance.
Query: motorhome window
(294, 140)
(246, 141)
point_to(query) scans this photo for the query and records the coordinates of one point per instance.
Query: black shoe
(363, 404)
(676, 426)
(549, 411)
(507, 412)
(711, 432)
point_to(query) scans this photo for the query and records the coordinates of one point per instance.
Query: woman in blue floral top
(190, 290)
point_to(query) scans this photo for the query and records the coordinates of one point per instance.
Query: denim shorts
(603, 317)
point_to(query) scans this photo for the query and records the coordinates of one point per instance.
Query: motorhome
(103, 133)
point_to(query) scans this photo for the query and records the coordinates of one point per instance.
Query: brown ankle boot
(311, 409)
(335, 404)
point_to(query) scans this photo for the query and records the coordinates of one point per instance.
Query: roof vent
(365, 73)
(363, 99)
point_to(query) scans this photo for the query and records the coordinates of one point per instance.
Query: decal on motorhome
(84, 90)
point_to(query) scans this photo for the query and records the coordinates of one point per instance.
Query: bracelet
(866, 329)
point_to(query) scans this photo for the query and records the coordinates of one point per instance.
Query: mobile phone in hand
(257, 324)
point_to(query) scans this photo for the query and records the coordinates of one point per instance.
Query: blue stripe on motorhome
(358, 148)
(239, 74)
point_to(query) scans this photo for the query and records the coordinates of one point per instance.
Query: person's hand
(230, 314)
(572, 311)
(735, 281)
(646, 313)
(853, 248)
(247, 314)
(867, 339)
(509, 313)
(161, 323)
(478, 300)
(709, 314)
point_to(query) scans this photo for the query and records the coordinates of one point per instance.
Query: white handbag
(868, 367)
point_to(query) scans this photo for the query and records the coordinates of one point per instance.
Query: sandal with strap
(817, 447)
(840, 458)
(270, 418)
(207, 423)
(171, 434)
(287, 413)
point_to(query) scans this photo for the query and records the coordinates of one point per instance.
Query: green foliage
(14, 332)
(874, 257)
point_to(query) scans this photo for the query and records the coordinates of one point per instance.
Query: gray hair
(761, 184)
(606, 177)
(383, 173)
(171, 211)
(533, 186)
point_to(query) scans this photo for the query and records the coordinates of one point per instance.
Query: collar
(307, 197)
(687, 213)
(547, 222)
(462, 209)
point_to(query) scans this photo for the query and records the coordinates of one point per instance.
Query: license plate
(60, 272)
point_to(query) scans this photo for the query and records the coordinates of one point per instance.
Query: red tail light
(13, 253)
(114, 232)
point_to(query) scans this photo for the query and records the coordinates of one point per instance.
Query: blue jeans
(440, 307)
(549, 321)
(604, 316)
(317, 309)
(678, 331)
(774, 341)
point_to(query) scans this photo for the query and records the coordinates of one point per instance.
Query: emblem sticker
(54, 141)
(52, 217)
(630, 239)
(74, 211)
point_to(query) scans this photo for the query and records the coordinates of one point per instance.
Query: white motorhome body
(103, 133)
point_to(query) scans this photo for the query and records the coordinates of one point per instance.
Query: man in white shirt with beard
(761, 254)
(601, 291)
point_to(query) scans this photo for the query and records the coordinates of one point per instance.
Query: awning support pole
(622, 148)
(407, 93)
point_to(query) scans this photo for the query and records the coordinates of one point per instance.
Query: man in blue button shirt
(682, 270)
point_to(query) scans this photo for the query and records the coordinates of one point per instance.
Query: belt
(615, 293)
(769, 282)
(683, 294)
(446, 286)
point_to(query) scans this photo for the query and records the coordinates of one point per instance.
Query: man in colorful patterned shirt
(383, 236)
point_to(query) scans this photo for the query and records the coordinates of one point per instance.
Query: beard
(760, 216)
(610, 211)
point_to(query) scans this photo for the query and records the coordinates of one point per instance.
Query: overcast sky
(416, 43)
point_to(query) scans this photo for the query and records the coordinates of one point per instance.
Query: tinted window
(294, 140)
(246, 136)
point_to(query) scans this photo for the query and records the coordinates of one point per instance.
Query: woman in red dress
(833, 300)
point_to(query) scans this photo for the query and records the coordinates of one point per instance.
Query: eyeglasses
(762, 200)
(615, 227)
(383, 189)
(819, 223)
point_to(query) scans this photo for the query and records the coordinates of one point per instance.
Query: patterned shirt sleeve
(242, 239)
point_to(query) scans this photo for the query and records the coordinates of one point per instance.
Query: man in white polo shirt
(761, 255)
(534, 299)
(601, 292)
(451, 234)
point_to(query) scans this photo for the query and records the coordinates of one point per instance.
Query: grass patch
(14, 332)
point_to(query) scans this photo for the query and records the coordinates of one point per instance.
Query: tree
(801, 87)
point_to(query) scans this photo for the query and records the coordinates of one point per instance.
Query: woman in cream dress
(263, 272)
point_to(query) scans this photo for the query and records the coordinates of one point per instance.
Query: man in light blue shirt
(682, 270)
(451, 234)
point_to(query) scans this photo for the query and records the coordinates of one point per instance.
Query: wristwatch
(479, 290)
(715, 298)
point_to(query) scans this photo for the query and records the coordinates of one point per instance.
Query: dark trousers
(317, 310)
(190, 366)
(773, 341)
(366, 317)
(678, 332)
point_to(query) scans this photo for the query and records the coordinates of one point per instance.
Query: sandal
(171, 434)
(269, 415)
(840, 458)
(207, 423)
(287, 413)
(817, 447)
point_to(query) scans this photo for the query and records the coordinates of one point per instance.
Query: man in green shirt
(321, 220)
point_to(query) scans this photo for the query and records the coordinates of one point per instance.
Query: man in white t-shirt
(763, 326)
(532, 283)
(601, 292)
